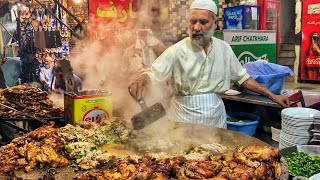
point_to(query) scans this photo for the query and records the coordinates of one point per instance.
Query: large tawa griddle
(184, 134)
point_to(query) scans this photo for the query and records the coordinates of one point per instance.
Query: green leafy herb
(300, 164)
(93, 148)
(232, 119)
(189, 150)
(68, 149)
(74, 165)
(79, 155)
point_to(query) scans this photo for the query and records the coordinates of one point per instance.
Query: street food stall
(86, 139)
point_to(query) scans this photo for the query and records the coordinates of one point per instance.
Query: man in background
(2, 80)
(11, 70)
(46, 73)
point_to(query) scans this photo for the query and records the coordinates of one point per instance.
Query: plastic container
(271, 76)
(247, 125)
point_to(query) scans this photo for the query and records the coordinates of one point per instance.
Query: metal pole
(19, 28)
(49, 11)
(68, 12)
(4, 27)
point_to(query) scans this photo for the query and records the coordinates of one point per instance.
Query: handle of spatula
(143, 104)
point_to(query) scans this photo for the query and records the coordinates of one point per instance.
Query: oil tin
(87, 106)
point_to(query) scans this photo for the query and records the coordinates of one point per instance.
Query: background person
(46, 73)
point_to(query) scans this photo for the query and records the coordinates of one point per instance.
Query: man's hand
(281, 100)
(254, 86)
(138, 88)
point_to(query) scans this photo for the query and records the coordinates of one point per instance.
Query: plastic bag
(269, 75)
(262, 71)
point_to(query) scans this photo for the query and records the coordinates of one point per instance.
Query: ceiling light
(77, 1)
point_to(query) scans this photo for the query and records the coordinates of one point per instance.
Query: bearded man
(199, 67)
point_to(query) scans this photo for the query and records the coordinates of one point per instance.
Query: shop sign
(252, 45)
(111, 18)
(113, 10)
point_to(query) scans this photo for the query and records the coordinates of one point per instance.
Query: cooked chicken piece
(159, 176)
(112, 175)
(42, 132)
(260, 153)
(22, 162)
(277, 169)
(261, 171)
(32, 152)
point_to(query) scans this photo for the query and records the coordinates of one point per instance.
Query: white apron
(207, 109)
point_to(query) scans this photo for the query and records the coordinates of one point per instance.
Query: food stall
(97, 143)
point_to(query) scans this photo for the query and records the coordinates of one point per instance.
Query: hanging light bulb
(77, 1)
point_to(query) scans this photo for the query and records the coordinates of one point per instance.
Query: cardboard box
(87, 106)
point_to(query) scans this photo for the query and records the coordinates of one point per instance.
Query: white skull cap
(204, 4)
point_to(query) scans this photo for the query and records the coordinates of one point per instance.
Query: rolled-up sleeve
(161, 69)
(238, 72)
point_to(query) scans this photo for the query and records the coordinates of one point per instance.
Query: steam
(105, 61)
(109, 61)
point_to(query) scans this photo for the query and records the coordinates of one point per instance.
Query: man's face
(201, 26)
(48, 62)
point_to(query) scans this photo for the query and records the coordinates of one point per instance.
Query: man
(46, 73)
(59, 85)
(200, 67)
(2, 79)
(12, 70)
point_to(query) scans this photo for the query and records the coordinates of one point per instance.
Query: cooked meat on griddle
(28, 100)
(54, 147)
(182, 169)
(38, 148)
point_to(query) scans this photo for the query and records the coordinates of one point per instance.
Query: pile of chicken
(29, 100)
(38, 148)
(83, 142)
(252, 162)
(80, 146)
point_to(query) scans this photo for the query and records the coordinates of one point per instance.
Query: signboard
(252, 45)
(310, 51)
(111, 18)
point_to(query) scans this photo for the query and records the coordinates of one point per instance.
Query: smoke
(106, 59)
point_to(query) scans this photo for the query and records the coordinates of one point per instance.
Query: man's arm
(138, 88)
(254, 86)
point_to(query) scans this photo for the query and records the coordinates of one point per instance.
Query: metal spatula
(148, 115)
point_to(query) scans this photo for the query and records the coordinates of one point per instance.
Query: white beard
(204, 38)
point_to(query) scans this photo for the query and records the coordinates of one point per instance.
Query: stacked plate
(316, 130)
(296, 126)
